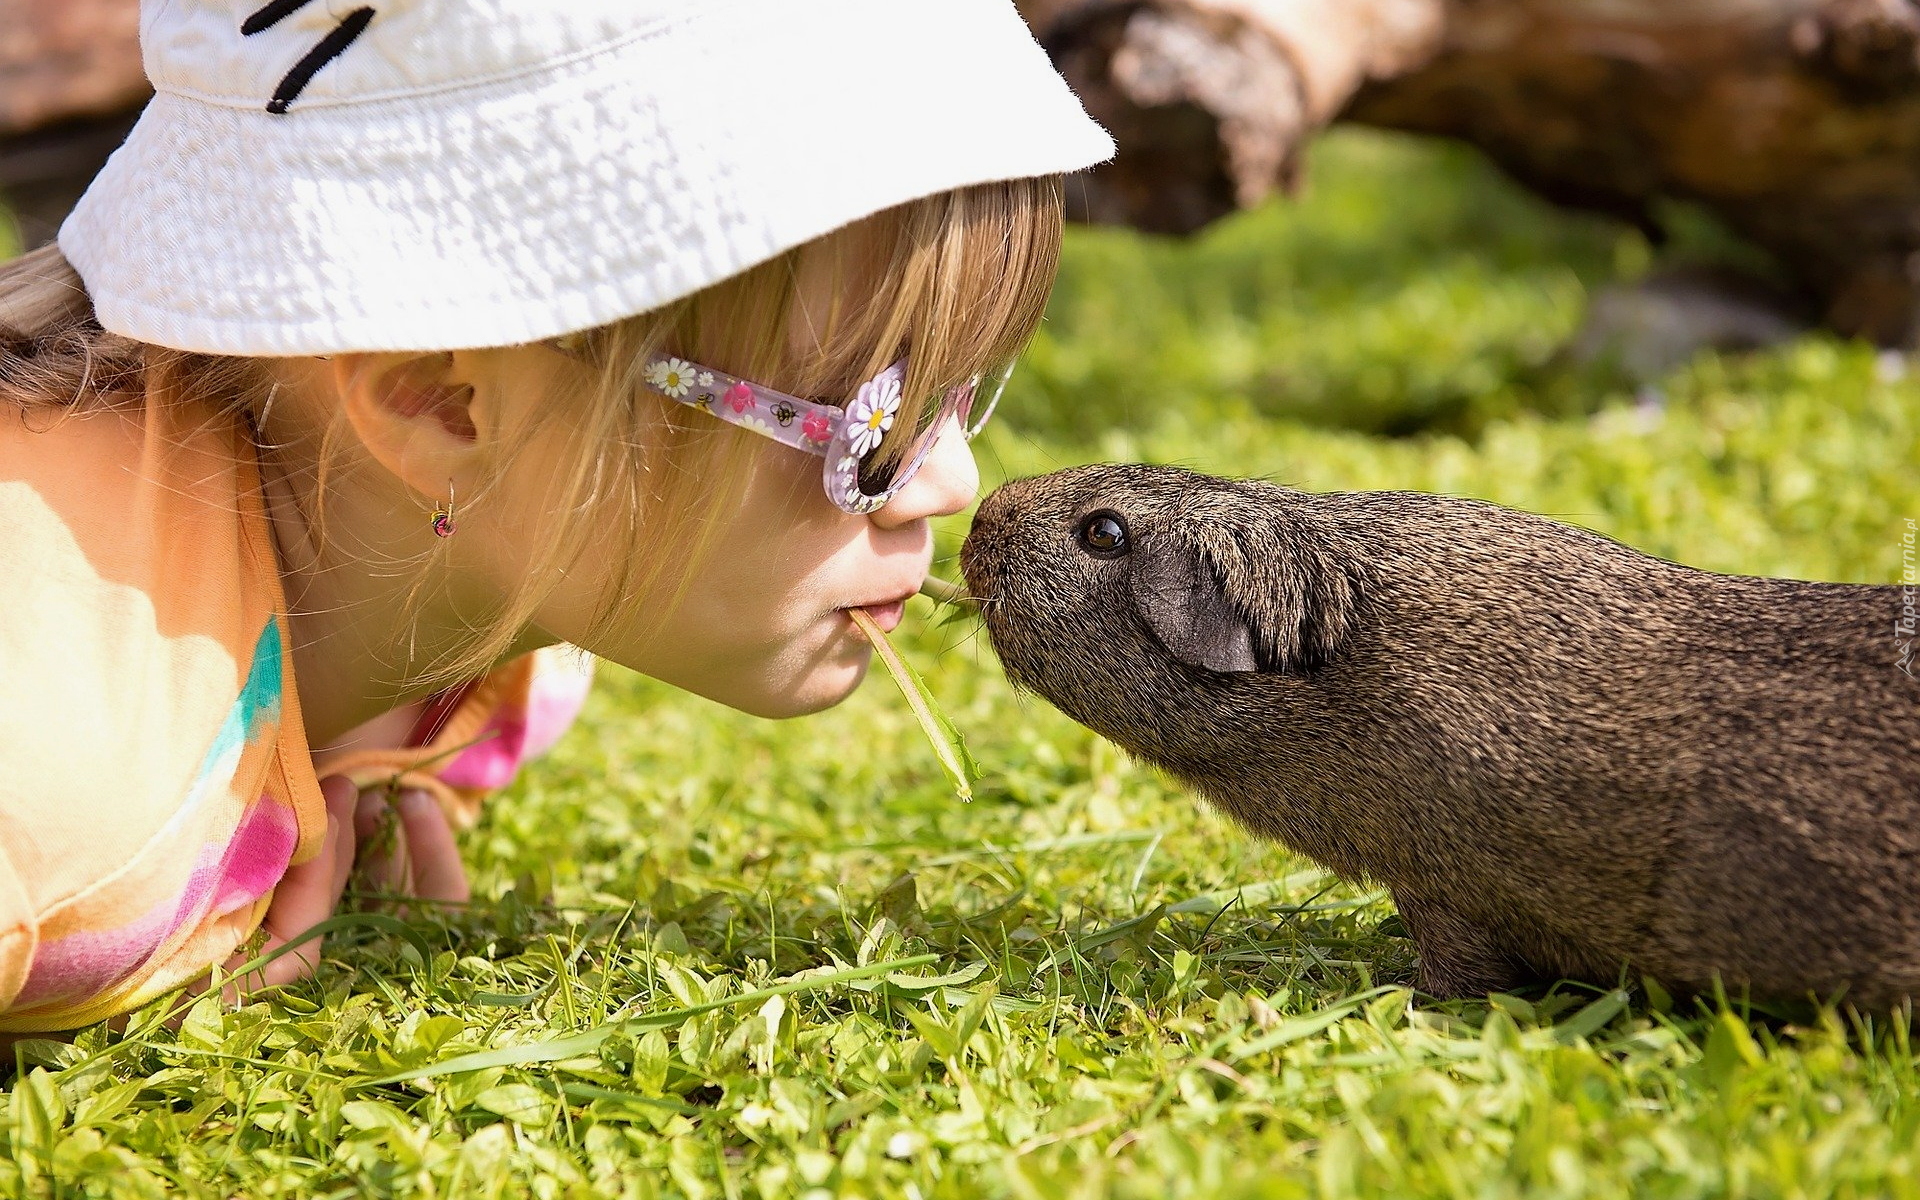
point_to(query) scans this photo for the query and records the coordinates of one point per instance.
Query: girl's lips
(886, 616)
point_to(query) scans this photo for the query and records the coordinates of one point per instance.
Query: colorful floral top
(155, 781)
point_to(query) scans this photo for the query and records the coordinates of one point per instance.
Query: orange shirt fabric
(155, 781)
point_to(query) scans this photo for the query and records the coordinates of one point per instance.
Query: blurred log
(1211, 101)
(1797, 122)
(70, 84)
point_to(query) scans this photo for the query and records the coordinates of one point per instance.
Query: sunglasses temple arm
(789, 420)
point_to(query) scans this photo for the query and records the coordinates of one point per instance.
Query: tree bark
(1797, 122)
(1211, 101)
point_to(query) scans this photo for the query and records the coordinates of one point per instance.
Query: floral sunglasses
(858, 479)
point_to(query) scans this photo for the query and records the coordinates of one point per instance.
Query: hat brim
(527, 207)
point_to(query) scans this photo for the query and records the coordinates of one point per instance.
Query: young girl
(402, 346)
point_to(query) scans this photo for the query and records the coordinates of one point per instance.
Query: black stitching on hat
(270, 15)
(295, 81)
(338, 38)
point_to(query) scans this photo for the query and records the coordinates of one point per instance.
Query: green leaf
(374, 1115)
(38, 1116)
(926, 983)
(1136, 928)
(506, 1000)
(899, 901)
(1658, 998)
(1248, 895)
(1591, 1019)
(517, 1102)
(205, 1026)
(104, 1105)
(1730, 1050)
(585, 1092)
(948, 746)
(965, 1025)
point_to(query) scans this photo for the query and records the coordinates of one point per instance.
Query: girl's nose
(945, 483)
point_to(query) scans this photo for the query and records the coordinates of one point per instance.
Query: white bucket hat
(316, 176)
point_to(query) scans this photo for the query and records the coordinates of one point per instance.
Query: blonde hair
(955, 282)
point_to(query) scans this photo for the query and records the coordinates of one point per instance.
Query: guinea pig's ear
(1257, 596)
(1182, 601)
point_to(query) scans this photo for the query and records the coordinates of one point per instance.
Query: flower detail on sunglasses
(739, 397)
(871, 413)
(671, 377)
(816, 427)
(852, 499)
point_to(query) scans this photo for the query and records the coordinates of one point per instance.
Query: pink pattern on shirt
(257, 856)
(511, 736)
(86, 964)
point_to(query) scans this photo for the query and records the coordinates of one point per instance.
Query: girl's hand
(305, 896)
(407, 848)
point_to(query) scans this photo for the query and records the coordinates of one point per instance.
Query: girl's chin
(832, 691)
(820, 690)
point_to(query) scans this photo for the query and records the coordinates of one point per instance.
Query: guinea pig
(1563, 758)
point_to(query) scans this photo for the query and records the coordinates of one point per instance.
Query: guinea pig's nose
(995, 507)
(980, 555)
(976, 562)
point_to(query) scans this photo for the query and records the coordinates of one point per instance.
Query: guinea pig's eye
(1103, 534)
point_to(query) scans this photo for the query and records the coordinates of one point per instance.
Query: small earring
(443, 517)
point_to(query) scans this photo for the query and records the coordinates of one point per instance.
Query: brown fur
(1560, 755)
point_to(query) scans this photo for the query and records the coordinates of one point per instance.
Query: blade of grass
(393, 926)
(948, 746)
(1295, 1028)
(588, 1040)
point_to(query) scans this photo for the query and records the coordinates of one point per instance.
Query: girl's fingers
(431, 853)
(407, 848)
(308, 894)
(366, 816)
(383, 861)
(342, 798)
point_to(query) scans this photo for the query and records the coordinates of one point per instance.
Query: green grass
(1109, 990)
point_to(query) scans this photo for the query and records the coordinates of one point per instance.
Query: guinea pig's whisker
(969, 636)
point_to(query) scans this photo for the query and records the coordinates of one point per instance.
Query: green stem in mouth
(948, 746)
(940, 591)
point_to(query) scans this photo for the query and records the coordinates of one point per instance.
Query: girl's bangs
(955, 283)
(994, 251)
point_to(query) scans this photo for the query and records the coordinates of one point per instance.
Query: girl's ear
(415, 414)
